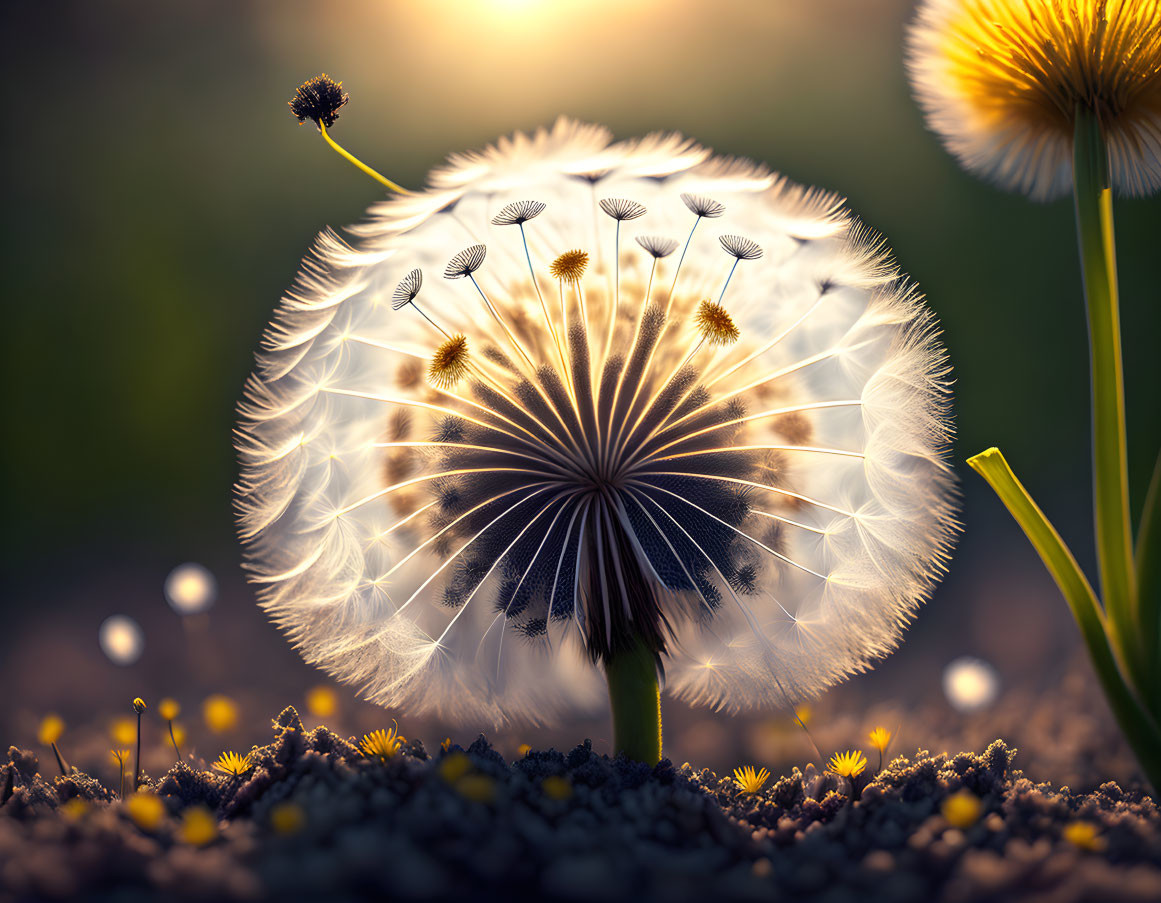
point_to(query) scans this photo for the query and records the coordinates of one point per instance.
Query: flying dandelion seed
(190, 588)
(970, 684)
(763, 512)
(1002, 82)
(121, 639)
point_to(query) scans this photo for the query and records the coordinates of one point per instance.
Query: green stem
(1148, 555)
(636, 702)
(1138, 725)
(1094, 230)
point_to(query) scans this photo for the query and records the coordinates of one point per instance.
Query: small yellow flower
(123, 730)
(849, 764)
(146, 809)
(1085, 835)
(51, 727)
(478, 788)
(220, 713)
(198, 827)
(382, 743)
(570, 266)
(454, 766)
(749, 780)
(287, 819)
(139, 705)
(449, 363)
(880, 737)
(962, 809)
(75, 809)
(804, 713)
(556, 787)
(523, 749)
(168, 709)
(322, 701)
(715, 324)
(233, 764)
(118, 756)
(446, 745)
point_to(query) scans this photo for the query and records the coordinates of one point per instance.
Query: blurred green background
(158, 196)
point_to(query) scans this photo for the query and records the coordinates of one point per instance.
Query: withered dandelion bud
(318, 99)
(449, 363)
(465, 262)
(656, 246)
(621, 209)
(518, 213)
(406, 290)
(570, 266)
(700, 205)
(739, 247)
(715, 324)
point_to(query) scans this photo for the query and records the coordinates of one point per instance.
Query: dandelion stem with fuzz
(1140, 727)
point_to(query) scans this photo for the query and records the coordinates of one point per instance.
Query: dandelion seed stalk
(635, 697)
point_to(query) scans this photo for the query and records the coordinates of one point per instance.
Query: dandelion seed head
(449, 363)
(1000, 82)
(570, 266)
(621, 209)
(715, 324)
(764, 489)
(318, 99)
(518, 213)
(407, 289)
(739, 247)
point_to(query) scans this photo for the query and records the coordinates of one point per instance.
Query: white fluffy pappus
(578, 394)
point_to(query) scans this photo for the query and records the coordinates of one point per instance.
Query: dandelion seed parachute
(1000, 82)
(765, 514)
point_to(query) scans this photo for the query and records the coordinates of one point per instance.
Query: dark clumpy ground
(576, 826)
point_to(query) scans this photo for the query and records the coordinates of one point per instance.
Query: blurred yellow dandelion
(962, 809)
(556, 788)
(523, 749)
(1002, 82)
(168, 709)
(1085, 835)
(123, 731)
(198, 827)
(145, 809)
(287, 819)
(50, 730)
(454, 766)
(479, 788)
(749, 780)
(233, 764)
(880, 737)
(220, 713)
(804, 713)
(849, 764)
(322, 701)
(75, 809)
(383, 744)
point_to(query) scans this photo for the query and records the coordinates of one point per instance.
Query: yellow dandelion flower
(523, 749)
(139, 705)
(50, 730)
(849, 764)
(220, 713)
(1085, 835)
(75, 809)
(570, 266)
(287, 819)
(479, 788)
(1003, 81)
(382, 743)
(449, 363)
(123, 731)
(880, 737)
(962, 809)
(322, 701)
(715, 324)
(233, 764)
(198, 827)
(749, 780)
(145, 809)
(454, 766)
(168, 709)
(556, 787)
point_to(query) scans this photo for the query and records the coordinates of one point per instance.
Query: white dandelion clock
(579, 398)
